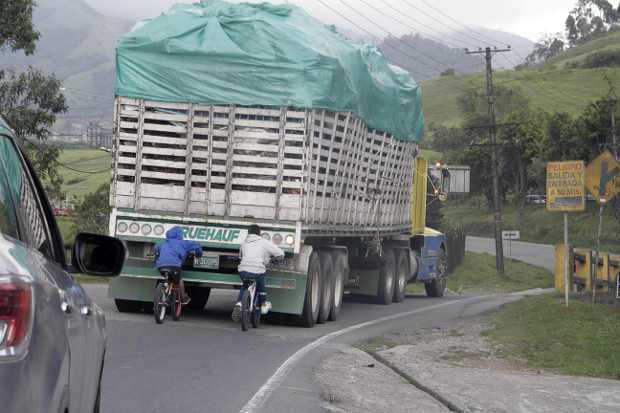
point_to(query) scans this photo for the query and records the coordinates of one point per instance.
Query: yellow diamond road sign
(603, 177)
(566, 186)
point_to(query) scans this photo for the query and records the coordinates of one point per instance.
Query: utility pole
(614, 138)
(499, 247)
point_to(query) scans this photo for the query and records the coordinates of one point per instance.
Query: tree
(30, 101)
(522, 143)
(590, 18)
(92, 214)
(546, 48)
(571, 30)
(16, 29)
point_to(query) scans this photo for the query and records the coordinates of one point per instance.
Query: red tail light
(15, 312)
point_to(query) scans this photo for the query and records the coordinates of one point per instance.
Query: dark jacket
(174, 250)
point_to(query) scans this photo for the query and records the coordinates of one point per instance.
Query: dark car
(52, 336)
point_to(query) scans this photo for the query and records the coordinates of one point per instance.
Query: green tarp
(215, 52)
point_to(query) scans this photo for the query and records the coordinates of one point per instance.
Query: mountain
(77, 45)
(483, 37)
(426, 59)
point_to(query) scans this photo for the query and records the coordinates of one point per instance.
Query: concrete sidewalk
(453, 368)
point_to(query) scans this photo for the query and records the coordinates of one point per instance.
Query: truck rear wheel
(327, 286)
(387, 274)
(402, 273)
(312, 301)
(128, 306)
(339, 274)
(437, 287)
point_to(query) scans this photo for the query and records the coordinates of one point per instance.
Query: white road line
(263, 394)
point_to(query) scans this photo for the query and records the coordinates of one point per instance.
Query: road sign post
(566, 192)
(509, 236)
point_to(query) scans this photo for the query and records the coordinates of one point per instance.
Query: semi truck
(215, 137)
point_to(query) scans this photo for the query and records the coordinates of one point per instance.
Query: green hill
(77, 184)
(553, 87)
(577, 55)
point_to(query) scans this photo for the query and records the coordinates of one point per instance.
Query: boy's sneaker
(265, 308)
(236, 313)
(185, 300)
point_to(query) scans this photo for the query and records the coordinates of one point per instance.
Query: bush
(93, 213)
(605, 58)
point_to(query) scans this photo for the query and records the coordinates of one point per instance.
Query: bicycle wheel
(175, 304)
(256, 316)
(245, 310)
(160, 303)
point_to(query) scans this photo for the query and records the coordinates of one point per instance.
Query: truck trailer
(221, 123)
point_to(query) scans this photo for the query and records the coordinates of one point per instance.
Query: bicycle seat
(171, 273)
(248, 282)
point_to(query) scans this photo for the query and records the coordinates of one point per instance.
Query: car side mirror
(98, 255)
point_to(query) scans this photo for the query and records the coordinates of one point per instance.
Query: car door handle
(86, 311)
(66, 307)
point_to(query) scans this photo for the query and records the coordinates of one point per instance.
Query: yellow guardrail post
(614, 273)
(602, 271)
(583, 268)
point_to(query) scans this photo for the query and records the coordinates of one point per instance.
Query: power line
(377, 37)
(415, 49)
(456, 31)
(406, 24)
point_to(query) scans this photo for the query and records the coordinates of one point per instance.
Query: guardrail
(584, 267)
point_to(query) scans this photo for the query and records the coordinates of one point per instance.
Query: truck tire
(327, 286)
(199, 296)
(437, 287)
(312, 300)
(128, 306)
(402, 273)
(339, 276)
(387, 275)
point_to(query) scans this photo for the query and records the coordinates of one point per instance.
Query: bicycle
(168, 295)
(250, 310)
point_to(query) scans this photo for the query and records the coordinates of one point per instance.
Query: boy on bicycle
(172, 253)
(255, 253)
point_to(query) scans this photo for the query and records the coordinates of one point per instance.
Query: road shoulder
(455, 362)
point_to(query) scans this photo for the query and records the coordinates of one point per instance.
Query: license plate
(211, 262)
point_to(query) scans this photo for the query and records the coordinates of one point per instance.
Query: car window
(32, 228)
(8, 216)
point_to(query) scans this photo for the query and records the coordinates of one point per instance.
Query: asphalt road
(205, 363)
(541, 255)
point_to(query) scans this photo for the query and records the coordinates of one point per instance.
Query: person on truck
(172, 253)
(255, 253)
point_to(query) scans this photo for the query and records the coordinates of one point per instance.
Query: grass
(579, 340)
(548, 89)
(67, 229)
(538, 224)
(477, 274)
(431, 156)
(78, 184)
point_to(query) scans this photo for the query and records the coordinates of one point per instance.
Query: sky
(528, 18)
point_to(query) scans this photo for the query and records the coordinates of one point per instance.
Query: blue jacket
(174, 250)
